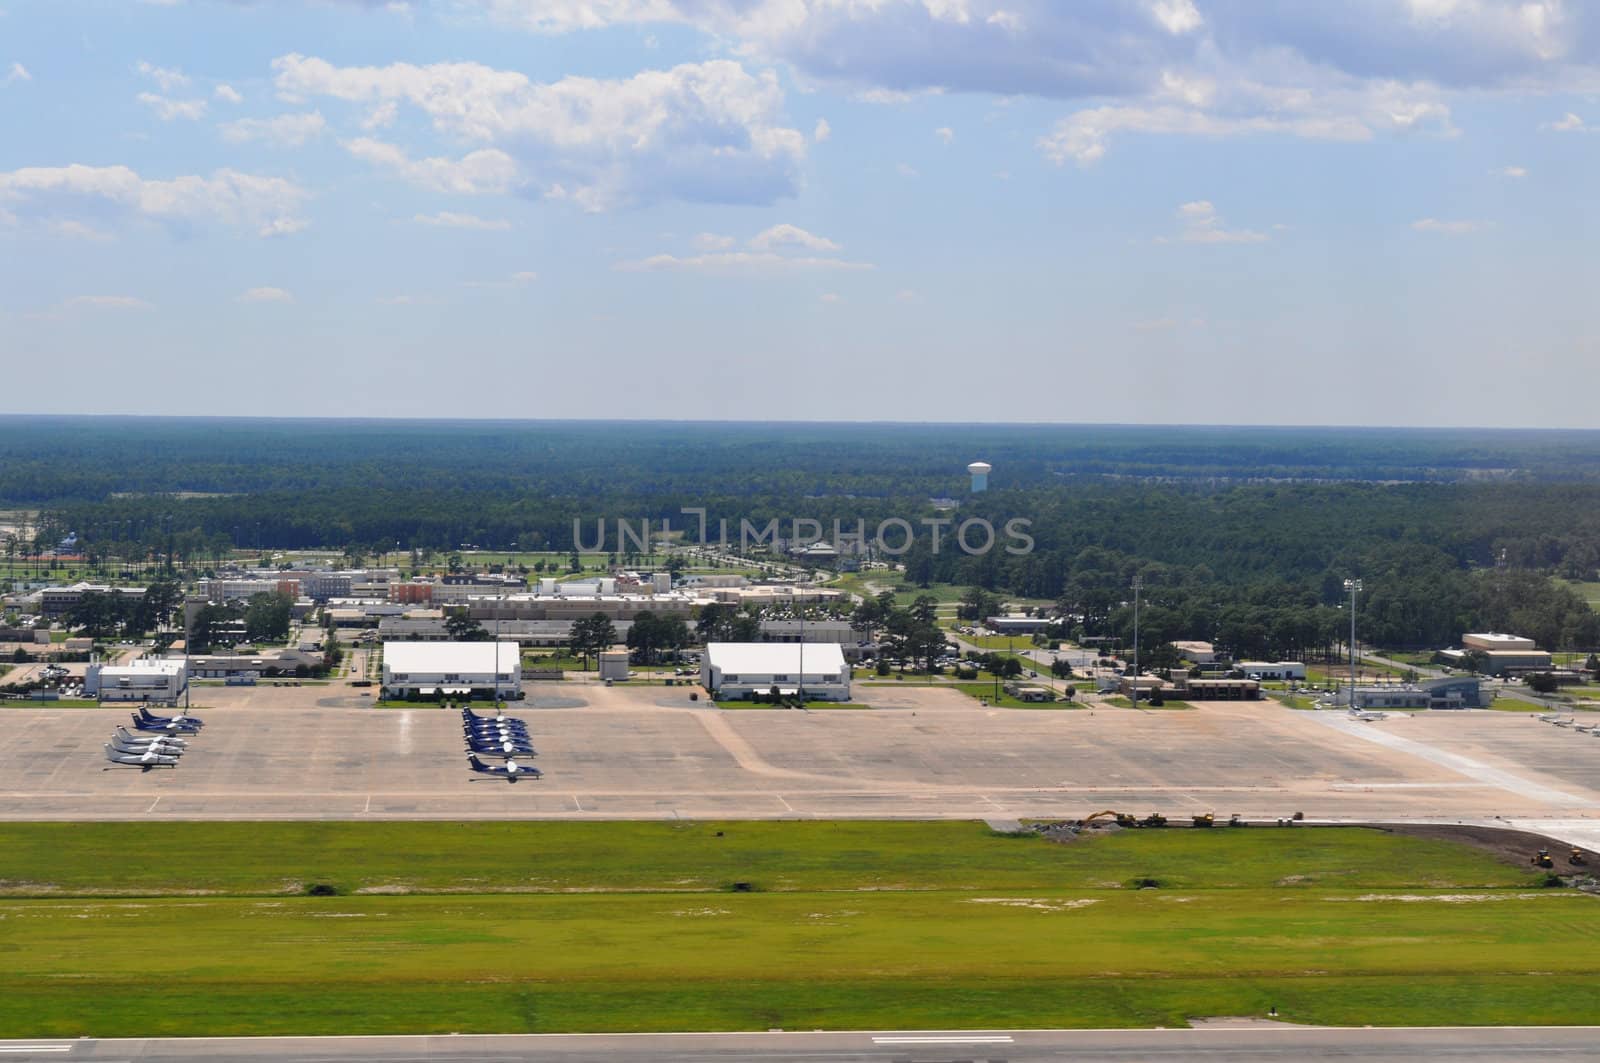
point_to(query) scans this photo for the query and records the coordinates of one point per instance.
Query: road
(1255, 1043)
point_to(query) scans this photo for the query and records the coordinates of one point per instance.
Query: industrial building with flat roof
(147, 679)
(465, 669)
(735, 670)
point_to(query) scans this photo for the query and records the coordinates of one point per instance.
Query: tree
(976, 604)
(1061, 668)
(266, 618)
(462, 628)
(208, 619)
(1542, 683)
(590, 635)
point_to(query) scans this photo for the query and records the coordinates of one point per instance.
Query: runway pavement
(1255, 1043)
(649, 752)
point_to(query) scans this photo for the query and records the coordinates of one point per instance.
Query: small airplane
(149, 739)
(181, 718)
(149, 759)
(472, 717)
(176, 746)
(511, 772)
(505, 748)
(165, 728)
(1369, 717)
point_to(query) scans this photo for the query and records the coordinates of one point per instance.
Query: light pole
(1354, 587)
(1134, 686)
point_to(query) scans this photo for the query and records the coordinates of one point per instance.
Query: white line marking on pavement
(942, 1041)
(18, 1049)
(153, 804)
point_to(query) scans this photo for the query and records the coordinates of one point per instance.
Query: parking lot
(318, 752)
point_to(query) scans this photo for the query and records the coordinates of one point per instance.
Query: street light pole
(1137, 584)
(1354, 587)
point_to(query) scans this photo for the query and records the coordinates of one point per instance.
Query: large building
(1499, 654)
(452, 669)
(1451, 692)
(735, 670)
(1272, 669)
(151, 680)
(55, 602)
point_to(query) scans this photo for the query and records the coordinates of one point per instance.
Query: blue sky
(1204, 211)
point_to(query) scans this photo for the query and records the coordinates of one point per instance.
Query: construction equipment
(1207, 820)
(1542, 859)
(1236, 820)
(1576, 856)
(1088, 821)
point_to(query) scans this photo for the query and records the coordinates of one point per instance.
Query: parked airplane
(165, 728)
(149, 759)
(181, 718)
(1369, 717)
(505, 748)
(512, 770)
(149, 739)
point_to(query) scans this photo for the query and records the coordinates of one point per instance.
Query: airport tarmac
(649, 752)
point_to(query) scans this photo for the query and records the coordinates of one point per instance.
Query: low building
(147, 679)
(1498, 662)
(1018, 625)
(452, 669)
(1490, 641)
(1272, 669)
(1451, 692)
(1218, 689)
(56, 602)
(735, 670)
(1198, 652)
(281, 662)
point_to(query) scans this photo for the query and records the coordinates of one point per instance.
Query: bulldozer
(1542, 859)
(1207, 820)
(1576, 856)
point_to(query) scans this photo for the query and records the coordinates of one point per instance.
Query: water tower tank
(980, 475)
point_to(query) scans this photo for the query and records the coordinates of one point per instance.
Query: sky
(1375, 212)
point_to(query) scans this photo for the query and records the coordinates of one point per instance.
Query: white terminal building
(734, 670)
(147, 679)
(459, 669)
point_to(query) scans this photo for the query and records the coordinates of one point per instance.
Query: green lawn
(550, 926)
(1122, 702)
(985, 689)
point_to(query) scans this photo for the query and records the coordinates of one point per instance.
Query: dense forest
(1237, 533)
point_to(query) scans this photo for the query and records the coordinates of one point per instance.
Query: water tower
(980, 475)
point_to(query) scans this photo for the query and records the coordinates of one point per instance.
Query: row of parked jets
(156, 741)
(1570, 721)
(498, 736)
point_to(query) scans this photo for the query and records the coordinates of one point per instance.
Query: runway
(1219, 1043)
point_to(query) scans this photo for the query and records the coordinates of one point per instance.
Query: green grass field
(550, 926)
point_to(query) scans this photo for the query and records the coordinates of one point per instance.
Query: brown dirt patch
(1513, 846)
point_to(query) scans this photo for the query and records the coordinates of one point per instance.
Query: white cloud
(905, 169)
(908, 295)
(266, 295)
(946, 134)
(16, 72)
(1199, 223)
(269, 204)
(1568, 123)
(735, 262)
(713, 242)
(704, 132)
(104, 302)
(481, 172)
(167, 77)
(1510, 171)
(786, 235)
(451, 220)
(1449, 228)
(167, 108)
(823, 132)
(286, 130)
(78, 230)
(526, 276)
(227, 94)
(829, 297)
(282, 227)
(381, 116)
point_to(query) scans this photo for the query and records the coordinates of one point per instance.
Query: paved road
(1255, 1044)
